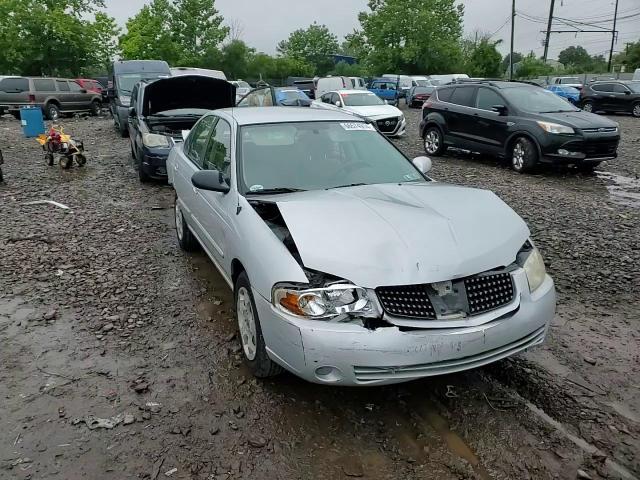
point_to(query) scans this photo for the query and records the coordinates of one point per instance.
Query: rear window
(44, 85)
(14, 85)
(463, 96)
(63, 86)
(444, 94)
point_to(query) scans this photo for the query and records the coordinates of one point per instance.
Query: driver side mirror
(338, 103)
(500, 109)
(422, 163)
(210, 180)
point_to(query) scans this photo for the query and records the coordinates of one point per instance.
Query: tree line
(77, 37)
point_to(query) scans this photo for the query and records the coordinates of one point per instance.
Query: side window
(326, 98)
(487, 98)
(444, 94)
(43, 85)
(14, 85)
(603, 87)
(464, 96)
(218, 155)
(63, 86)
(335, 98)
(75, 87)
(619, 88)
(197, 140)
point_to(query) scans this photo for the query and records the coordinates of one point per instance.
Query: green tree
(103, 33)
(315, 45)
(576, 57)
(413, 36)
(531, 67)
(630, 58)
(235, 59)
(517, 57)
(481, 58)
(196, 27)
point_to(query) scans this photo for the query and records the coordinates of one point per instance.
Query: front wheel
(186, 239)
(52, 111)
(587, 107)
(524, 155)
(96, 108)
(253, 345)
(434, 142)
(636, 110)
(49, 158)
(81, 160)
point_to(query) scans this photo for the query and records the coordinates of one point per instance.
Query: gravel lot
(103, 317)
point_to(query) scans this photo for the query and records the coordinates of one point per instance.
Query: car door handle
(195, 190)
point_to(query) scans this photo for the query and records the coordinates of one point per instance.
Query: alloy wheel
(587, 107)
(432, 142)
(179, 222)
(636, 110)
(518, 156)
(53, 113)
(246, 324)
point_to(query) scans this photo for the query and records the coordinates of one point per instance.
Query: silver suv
(53, 95)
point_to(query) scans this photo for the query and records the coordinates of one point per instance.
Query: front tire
(96, 108)
(588, 107)
(434, 141)
(142, 175)
(253, 345)
(186, 239)
(52, 111)
(635, 111)
(524, 155)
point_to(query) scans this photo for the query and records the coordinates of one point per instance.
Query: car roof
(258, 115)
(490, 83)
(352, 91)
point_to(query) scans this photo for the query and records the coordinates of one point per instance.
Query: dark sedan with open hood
(162, 110)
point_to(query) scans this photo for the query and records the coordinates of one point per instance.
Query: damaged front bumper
(351, 354)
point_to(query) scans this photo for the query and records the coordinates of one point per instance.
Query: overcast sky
(266, 22)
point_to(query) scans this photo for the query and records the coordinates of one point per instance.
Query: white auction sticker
(358, 126)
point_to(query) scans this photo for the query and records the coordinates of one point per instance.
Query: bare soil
(102, 317)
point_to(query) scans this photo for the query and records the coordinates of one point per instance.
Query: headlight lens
(154, 140)
(531, 261)
(322, 303)
(555, 128)
(125, 100)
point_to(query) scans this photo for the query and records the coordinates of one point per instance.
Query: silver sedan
(349, 265)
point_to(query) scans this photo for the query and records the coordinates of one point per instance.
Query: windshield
(361, 99)
(536, 100)
(292, 94)
(127, 81)
(318, 155)
(435, 82)
(423, 83)
(634, 86)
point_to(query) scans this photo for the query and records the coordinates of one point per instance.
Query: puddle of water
(623, 190)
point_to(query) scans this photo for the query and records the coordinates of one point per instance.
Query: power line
(501, 26)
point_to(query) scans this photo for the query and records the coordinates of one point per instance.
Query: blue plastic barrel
(32, 121)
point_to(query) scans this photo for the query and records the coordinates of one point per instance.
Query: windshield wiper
(346, 186)
(559, 111)
(269, 191)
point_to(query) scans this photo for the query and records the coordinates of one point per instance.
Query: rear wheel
(587, 107)
(253, 345)
(524, 155)
(81, 160)
(635, 111)
(96, 108)
(434, 142)
(186, 239)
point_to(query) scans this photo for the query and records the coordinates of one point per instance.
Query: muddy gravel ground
(119, 357)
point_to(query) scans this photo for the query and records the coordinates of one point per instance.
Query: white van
(358, 83)
(205, 72)
(444, 79)
(636, 75)
(330, 84)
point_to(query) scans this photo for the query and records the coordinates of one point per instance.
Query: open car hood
(380, 235)
(188, 91)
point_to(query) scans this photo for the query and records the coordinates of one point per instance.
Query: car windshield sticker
(358, 126)
(256, 188)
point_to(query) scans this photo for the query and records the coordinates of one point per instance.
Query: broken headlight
(154, 140)
(322, 303)
(530, 259)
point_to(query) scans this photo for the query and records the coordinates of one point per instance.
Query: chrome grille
(387, 125)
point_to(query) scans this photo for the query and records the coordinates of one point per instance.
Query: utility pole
(546, 42)
(513, 21)
(613, 36)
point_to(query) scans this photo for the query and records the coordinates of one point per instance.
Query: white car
(349, 265)
(242, 88)
(367, 105)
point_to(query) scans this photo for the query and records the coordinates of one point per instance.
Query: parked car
(90, 85)
(405, 82)
(123, 75)
(367, 105)
(567, 81)
(349, 265)
(358, 83)
(307, 85)
(636, 75)
(418, 95)
(386, 90)
(275, 96)
(616, 96)
(523, 123)
(569, 93)
(55, 96)
(242, 88)
(329, 84)
(162, 110)
(179, 71)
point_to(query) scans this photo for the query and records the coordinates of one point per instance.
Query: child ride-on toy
(56, 142)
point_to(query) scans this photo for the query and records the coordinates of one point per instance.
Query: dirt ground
(119, 357)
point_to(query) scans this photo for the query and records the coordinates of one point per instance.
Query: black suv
(611, 96)
(521, 122)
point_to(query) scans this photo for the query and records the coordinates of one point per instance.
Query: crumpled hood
(375, 112)
(188, 91)
(393, 234)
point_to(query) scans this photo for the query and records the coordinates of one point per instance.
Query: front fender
(433, 118)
